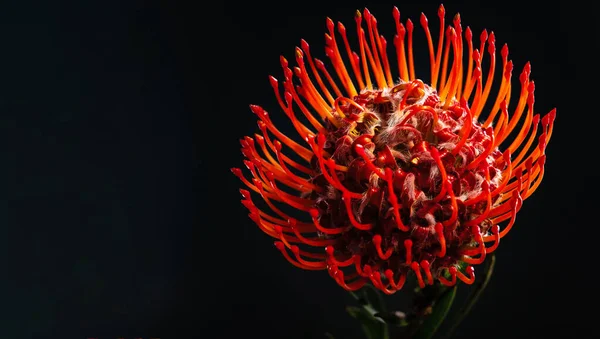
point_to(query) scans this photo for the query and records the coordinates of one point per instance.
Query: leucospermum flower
(396, 177)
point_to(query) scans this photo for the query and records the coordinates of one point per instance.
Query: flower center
(414, 171)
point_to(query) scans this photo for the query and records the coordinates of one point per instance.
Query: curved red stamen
(417, 269)
(467, 130)
(438, 161)
(485, 188)
(314, 213)
(314, 264)
(408, 247)
(389, 274)
(394, 200)
(480, 247)
(382, 255)
(331, 255)
(496, 233)
(452, 270)
(467, 280)
(282, 248)
(359, 269)
(360, 150)
(348, 202)
(317, 242)
(439, 232)
(426, 268)
(451, 223)
(489, 148)
(383, 287)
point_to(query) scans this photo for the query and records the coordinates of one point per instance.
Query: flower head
(396, 176)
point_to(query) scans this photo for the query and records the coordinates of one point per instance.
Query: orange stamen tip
(280, 246)
(548, 119)
(283, 61)
(330, 24)
(273, 81)
(245, 193)
(236, 171)
(504, 51)
(304, 45)
(423, 20)
(484, 36)
(468, 34)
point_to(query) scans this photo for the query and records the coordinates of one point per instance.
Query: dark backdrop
(119, 121)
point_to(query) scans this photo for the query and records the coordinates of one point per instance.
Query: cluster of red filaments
(400, 177)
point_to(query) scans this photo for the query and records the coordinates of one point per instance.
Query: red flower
(396, 177)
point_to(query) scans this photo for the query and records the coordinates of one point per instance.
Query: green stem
(473, 297)
(441, 308)
(437, 299)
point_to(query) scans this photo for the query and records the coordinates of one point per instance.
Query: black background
(119, 217)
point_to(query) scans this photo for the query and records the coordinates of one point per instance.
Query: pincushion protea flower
(396, 176)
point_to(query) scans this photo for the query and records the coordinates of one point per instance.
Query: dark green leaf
(393, 318)
(438, 314)
(370, 299)
(373, 328)
(374, 298)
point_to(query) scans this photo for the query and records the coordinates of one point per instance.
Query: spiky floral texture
(396, 177)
